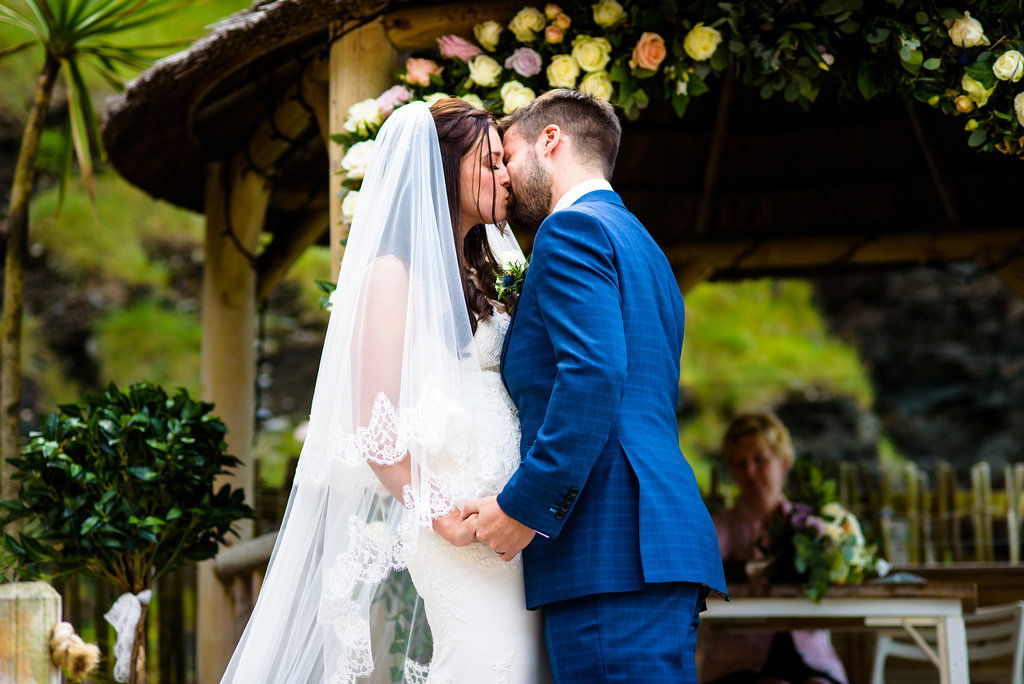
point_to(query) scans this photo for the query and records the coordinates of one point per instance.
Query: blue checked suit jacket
(592, 363)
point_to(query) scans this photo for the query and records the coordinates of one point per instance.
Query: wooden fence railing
(922, 518)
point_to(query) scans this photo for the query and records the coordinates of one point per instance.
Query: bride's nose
(503, 178)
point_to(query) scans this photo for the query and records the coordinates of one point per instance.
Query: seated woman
(758, 452)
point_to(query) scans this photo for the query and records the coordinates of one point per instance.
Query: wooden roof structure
(237, 127)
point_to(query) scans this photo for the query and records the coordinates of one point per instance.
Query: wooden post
(361, 64)
(981, 481)
(28, 613)
(236, 202)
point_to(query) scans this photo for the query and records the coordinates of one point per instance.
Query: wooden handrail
(244, 556)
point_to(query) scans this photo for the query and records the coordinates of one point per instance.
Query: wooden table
(877, 606)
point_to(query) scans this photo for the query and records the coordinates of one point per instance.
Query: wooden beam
(983, 245)
(241, 558)
(361, 65)
(692, 274)
(419, 28)
(1012, 274)
(281, 253)
(706, 203)
(236, 202)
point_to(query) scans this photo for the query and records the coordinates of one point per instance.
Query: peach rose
(649, 52)
(418, 70)
(563, 21)
(553, 34)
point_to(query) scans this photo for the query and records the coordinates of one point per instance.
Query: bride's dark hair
(460, 128)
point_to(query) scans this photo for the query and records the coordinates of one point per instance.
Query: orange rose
(553, 34)
(418, 71)
(649, 52)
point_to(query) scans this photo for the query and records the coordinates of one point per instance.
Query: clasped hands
(483, 520)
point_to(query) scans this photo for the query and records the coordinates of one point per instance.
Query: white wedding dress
(474, 601)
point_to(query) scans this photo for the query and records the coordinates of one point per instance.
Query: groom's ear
(550, 139)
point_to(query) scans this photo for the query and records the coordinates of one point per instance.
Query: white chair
(992, 632)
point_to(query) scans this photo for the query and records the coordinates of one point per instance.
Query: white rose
(362, 116)
(1018, 107)
(701, 42)
(966, 32)
(834, 511)
(358, 158)
(472, 99)
(608, 13)
(527, 23)
(488, 33)
(598, 84)
(434, 97)
(976, 91)
(833, 531)
(348, 205)
(563, 71)
(592, 54)
(484, 71)
(1009, 66)
(514, 95)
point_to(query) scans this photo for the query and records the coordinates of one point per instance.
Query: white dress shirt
(579, 190)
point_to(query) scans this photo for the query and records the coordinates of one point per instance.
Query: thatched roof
(843, 169)
(199, 104)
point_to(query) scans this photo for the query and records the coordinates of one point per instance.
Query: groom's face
(530, 200)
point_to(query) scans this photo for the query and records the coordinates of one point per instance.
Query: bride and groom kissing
(522, 464)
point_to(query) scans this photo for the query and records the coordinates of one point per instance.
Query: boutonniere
(509, 283)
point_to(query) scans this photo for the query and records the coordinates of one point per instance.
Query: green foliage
(114, 239)
(120, 486)
(509, 283)
(149, 341)
(748, 346)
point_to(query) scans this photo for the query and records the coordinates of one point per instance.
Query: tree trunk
(137, 674)
(16, 232)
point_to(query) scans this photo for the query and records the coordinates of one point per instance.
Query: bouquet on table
(817, 541)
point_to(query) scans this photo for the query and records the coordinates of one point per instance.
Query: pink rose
(418, 70)
(553, 34)
(454, 46)
(392, 97)
(525, 62)
(649, 52)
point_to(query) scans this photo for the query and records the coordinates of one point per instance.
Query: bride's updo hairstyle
(461, 127)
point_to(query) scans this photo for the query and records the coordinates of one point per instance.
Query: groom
(617, 545)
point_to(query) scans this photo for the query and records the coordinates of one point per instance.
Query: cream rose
(1009, 66)
(484, 71)
(362, 116)
(598, 84)
(488, 33)
(592, 54)
(472, 99)
(976, 91)
(434, 97)
(563, 72)
(649, 52)
(358, 158)
(1018, 107)
(967, 32)
(701, 42)
(527, 23)
(348, 205)
(608, 13)
(514, 95)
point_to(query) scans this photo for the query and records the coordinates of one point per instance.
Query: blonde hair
(764, 425)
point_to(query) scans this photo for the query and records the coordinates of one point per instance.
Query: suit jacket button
(565, 507)
(574, 491)
(559, 515)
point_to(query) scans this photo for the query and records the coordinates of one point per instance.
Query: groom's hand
(505, 535)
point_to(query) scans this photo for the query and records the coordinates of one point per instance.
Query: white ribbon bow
(124, 616)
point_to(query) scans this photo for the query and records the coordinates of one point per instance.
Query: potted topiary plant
(121, 486)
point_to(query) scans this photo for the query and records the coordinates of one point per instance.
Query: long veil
(393, 403)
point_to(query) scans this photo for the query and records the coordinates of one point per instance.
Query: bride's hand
(456, 530)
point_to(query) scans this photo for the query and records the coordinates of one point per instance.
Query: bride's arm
(377, 364)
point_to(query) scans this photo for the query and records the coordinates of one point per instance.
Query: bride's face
(484, 183)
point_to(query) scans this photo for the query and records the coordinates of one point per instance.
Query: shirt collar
(579, 190)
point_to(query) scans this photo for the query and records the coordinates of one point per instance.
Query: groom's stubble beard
(530, 201)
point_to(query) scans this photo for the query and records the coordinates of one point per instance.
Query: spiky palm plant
(73, 35)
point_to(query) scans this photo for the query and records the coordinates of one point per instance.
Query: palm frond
(14, 49)
(8, 15)
(78, 105)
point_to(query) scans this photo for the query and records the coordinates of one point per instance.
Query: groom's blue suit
(592, 363)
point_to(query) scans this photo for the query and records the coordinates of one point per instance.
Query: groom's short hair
(590, 123)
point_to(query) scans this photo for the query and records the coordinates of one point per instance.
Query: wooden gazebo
(237, 127)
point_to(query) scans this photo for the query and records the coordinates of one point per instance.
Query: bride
(409, 421)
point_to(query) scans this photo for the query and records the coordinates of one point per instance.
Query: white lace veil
(393, 403)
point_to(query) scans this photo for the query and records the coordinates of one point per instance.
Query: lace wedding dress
(475, 602)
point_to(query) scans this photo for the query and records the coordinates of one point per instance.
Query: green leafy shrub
(121, 486)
